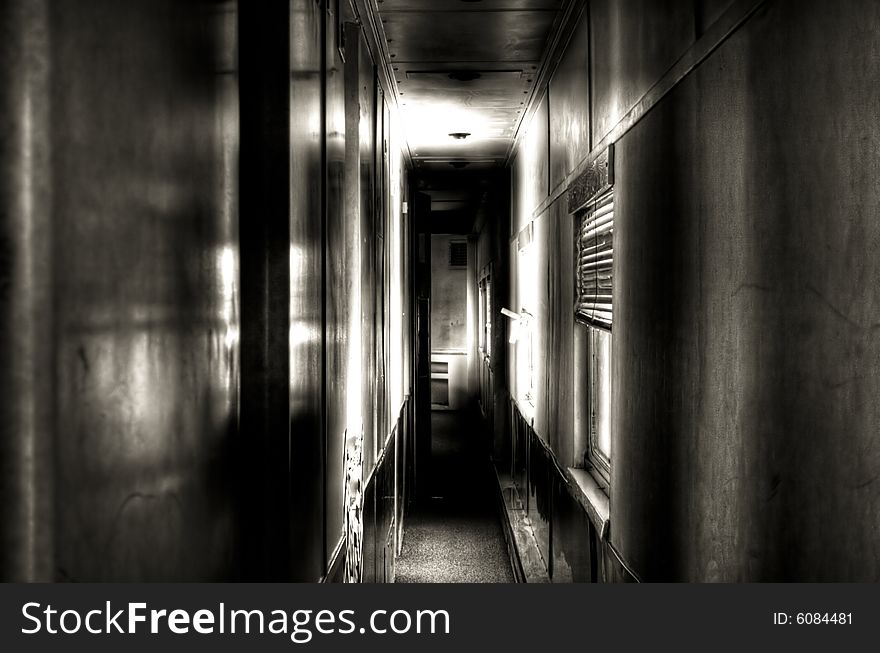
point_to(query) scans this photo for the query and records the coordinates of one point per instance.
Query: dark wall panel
(746, 287)
(370, 536)
(306, 287)
(540, 500)
(570, 105)
(708, 11)
(571, 537)
(145, 224)
(342, 240)
(26, 310)
(264, 178)
(633, 42)
(180, 380)
(371, 244)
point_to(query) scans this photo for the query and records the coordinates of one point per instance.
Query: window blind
(595, 250)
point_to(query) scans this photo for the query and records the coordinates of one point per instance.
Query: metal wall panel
(555, 324)
(372, 244)
(264, 180)
(633, 42)
(708, 11)
(531, 183)
(196, 361)
(745, 446)
(570, 105)
(571, 537)
(371, 551)
(146, 304)
(26, 309)
(342, 312)
(540, 504)
(306, 293)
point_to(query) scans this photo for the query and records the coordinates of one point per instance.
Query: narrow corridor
(456, 536)
(246, 247)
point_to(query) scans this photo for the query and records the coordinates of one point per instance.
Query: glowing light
(227, 270)
(232, 336)
(300, 334)
(429, 125)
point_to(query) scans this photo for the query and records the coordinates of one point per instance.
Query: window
(594, 269)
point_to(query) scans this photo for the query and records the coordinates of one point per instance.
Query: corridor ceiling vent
(460, 136)
(463, 66)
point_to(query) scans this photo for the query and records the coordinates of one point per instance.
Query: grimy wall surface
(757, 178)
(120, 313)
(307, 553)
(449, 285)
(180, 289)
(745, 343)
(26, 307)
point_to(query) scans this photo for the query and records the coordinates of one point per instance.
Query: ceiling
(464, 66)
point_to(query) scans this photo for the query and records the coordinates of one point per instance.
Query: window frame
(527, 259)
(486, 319)
(595, 458)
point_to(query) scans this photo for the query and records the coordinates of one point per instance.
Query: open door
(421, 220)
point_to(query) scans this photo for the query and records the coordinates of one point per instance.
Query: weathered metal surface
(146, 324)
(745, 433)
(633, 42)
(570, 105)
(307, 259)
(343, 313)
(26, 309)
(531, 169)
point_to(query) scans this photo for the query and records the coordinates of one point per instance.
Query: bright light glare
(301, 334)
(227, 266)
(430, 124)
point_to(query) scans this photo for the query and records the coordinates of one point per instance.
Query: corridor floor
(456, 536)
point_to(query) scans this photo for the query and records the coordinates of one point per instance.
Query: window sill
(594, 500)
(526, 409)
